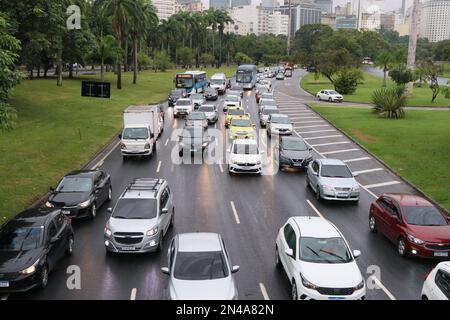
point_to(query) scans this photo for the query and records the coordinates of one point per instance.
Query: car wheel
(160, 244)
(277, 258)
(43, 277)
(69, 249)
(424, 297)
(372, 224)
(93, 211)
(172, 219)
(318, 196)
(109, 194)
(401, 247)
(180, 152)
(294, 291)
(318, 98)
(330, 100)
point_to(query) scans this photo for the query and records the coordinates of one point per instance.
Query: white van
(219, 81)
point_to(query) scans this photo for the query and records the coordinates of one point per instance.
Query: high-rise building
(387, 20)
(324, 5)
(165, 8)
(435, 20)
(346, 22)
(269, 3)
(219, 4)
(301, 15)
(245, 15)
(328, 19)
(237, 3)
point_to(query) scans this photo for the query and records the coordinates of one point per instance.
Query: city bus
(191, 81)
(246, 76)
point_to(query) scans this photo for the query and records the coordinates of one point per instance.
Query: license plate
(128, 248)
(66, 211)
(343, 194)
(336, 298)
(441, 254)
(4, 284)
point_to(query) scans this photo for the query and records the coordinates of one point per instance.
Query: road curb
(406, 181)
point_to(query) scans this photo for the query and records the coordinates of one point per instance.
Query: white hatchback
(318, 261)
(437, 283)
(245, 157)
(329, 95)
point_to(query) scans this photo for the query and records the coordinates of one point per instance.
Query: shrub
(389, 102)
(401, 75)
(162, 61)
(8, 116)
(347, 81)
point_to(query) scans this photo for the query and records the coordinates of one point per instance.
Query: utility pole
(413, 32)
(289, 30)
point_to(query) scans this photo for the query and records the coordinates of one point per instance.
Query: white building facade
(435, 20)
(166, 8)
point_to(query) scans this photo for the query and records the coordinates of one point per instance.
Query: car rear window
(423, 216)
(200, 266)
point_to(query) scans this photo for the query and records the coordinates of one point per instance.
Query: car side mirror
(234, 269)
(152, 135)
(120, 136)
(52, 188)
(289, 252)
(54, 239)
(356, 253)
(165, 270)
(109, 210)
(164, 211)
(310, 149)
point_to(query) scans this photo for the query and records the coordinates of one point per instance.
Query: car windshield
(423, 216)
(332, 92)
(75, 184)
(17, 238)
(324, 250)
(135, 134)
(183, 102)
(192, 132)
(210, 90)
(200, 266)
(196, 116)
(281, 120)
(135, 209)
(295, 145)
(243, 77)
(217, 81)
(335, 171)
(241, 123)
(267, 96)
(176, 93)
(245, 148)
(236, 112)
(206, 108)
(267, 111)
(268, 102)
(232, 98)
(197, 96)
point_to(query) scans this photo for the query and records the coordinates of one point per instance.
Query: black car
(174, 95)
(211, 94)
(81, 193)
(237, 88)
(31, 244)
(293, 152)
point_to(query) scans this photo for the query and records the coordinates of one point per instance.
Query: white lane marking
(292, 109)
(330, 144)
(382, 184)
(174, 124)
(167, 142)
(386, 291)
(235, 213)
(264, 291)
(315, 209)
(309, 121)
(368, 191)
(4, 297)
(290, 112)
(340, 151)
(356, 159)
(314, 126)
(220, 167)
(368, 170)
(316, 131)
(133, 294)
(215, 125)
(304, 117)
(159, 166)
(101, 161)
(324, 137)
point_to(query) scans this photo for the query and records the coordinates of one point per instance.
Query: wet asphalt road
(203, 196)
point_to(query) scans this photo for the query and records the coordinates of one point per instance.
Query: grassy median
(58, 130)
(421, 96)
(417, 147)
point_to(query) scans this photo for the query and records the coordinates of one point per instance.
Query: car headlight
(308, 284)
(30, 270)
(85, 204)
(48, 204)
(258, 162)
(415, 240)
(108, 232)
(355, 189)
(327, 188)
(152, 232)
(147, 146)
(122, 146)
(360, 285)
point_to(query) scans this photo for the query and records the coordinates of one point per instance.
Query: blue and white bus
(191, 81)
(246, 76)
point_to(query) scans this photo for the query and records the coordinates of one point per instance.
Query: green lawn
(421, 96)
(417, 147)
(58, 131)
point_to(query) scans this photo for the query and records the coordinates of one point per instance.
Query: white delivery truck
(141, 128)
(219, 82)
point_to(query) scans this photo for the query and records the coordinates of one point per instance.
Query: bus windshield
(243, 77)
(184, 81)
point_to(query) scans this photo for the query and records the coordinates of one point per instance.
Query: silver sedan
(199, 268)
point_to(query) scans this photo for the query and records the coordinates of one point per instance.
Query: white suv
(329, 95)
(183, 106)
(318, 261)
(141, 217)
(437, 283)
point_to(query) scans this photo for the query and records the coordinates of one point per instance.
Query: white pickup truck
(141, 128)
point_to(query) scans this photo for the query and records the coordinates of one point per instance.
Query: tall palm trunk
(135, 59)
(102, 69)
(59, 82)
(384, 76)
(125, 63)
(119, 68)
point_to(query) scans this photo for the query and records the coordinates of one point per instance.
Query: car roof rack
(146, 184)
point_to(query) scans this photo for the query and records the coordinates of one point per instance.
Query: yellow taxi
(241, 127)
(234, 112)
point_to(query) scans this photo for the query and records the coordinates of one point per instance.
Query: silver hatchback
(199, 268)
(141, 217)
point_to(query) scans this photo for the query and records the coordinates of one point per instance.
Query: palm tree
(121, 12)
(105, 50)
(222, 19)
(389, 102)
(383, 61)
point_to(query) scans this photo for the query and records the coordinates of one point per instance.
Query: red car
(413, 224)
